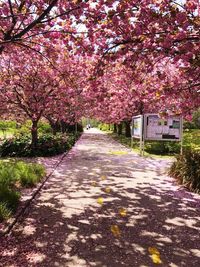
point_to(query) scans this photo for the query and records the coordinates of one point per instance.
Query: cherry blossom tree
(29, 86)
(22, 23)
(38, 87)
(146, 55)
(70, 102)
(122, 92)
(158, 27)
(148, 32)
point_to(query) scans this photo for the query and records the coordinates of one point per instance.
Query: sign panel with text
(137, 122)
(156, 128)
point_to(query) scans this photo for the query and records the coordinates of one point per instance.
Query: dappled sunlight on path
(107, 208)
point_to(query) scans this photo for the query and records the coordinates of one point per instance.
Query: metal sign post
(76, 128)
(181, 136)
(131, 137)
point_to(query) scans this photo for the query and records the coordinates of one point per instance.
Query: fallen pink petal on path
(65, 226)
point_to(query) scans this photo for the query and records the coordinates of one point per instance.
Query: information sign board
(137, 122)
(156, 128)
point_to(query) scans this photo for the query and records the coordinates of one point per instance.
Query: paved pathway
(107, 208)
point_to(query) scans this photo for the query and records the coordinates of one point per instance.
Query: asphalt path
(106, 206)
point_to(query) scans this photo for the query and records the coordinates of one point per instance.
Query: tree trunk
(115, 128)
(55, 125)
(54, 130)
(64, 126)
(1, 49)
(141, 108)
(34, 134)
(127, 129)
(119, 129)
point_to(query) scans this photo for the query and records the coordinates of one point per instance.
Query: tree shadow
(67, 227)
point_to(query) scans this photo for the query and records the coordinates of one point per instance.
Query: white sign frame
(141, 126)
(179, 118)
(143, 131)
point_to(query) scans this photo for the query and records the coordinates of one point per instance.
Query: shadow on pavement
(67, 227)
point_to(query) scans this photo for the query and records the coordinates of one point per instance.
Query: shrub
(10, 197)
(195, 123)
(24, 129)
(5, 212)
(26, 174)
(189, 125)
(104, 127)
(7, 175)
(17, 146)
(48, 145)
(196, 118)
(162, 147)
(14, 175)
(186, 170)
(44, 128)
(38, 169)
(29, 174)
(7, 124)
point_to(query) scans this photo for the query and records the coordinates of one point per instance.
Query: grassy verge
(15, 175)
(191, 139)
(8, 133)
(135, 146)
(186, 170)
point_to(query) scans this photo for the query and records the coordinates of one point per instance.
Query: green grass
(9, 128)
(5, 212)
(191, 138)
(29, 174)
(8, 133)
(186, 170)
(14, 175)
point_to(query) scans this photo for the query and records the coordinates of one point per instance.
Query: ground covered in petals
(106, 206)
